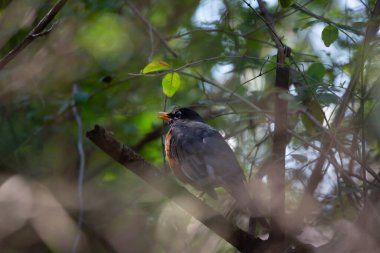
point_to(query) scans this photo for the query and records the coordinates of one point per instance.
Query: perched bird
(198, 155)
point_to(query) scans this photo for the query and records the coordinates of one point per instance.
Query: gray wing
(205, 157)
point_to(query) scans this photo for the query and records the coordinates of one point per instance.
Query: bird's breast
(172, 160)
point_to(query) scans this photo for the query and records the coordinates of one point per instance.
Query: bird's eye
(178, 115)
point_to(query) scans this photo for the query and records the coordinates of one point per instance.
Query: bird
(198, 155)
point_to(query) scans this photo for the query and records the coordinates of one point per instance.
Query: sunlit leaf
(155, 65)
(170, 84)
(329, 35)
(109, 176)
(285, 3)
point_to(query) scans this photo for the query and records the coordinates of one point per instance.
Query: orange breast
(173, 161)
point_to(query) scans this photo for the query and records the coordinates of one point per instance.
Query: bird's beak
(164, 116)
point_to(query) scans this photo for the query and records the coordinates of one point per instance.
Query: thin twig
(37, 31)
(82, 159)
(303, 9)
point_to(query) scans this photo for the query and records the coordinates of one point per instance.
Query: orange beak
(164, 116)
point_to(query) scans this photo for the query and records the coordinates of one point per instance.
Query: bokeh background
(86, 69)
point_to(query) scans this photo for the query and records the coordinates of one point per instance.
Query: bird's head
(181, 114)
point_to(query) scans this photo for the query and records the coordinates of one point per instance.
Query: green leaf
(329, 35)
(316, 72)
(170, 84)
(109, 176)
(285, 3)
(300, 158)
(154, 66)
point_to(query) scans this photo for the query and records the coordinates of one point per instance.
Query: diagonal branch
(303, 9)
(37, 31)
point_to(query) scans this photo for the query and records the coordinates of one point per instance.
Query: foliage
(329, 35)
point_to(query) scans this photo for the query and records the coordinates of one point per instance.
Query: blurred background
(86, 68)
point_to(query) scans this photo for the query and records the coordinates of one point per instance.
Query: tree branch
(37, 31)
(276, 173)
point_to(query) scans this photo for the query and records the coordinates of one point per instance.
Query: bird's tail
(244, 201)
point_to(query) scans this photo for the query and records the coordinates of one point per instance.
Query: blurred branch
(232, 33)
(25, 201)
(82, 159)
(331, 136)
(276, 173)
(37, 31)
(150, 27)
(169, 188)
(303, 9)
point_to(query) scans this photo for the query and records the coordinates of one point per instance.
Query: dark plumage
(199, 156)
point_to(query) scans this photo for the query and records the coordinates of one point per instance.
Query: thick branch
(169, 188)
(37, 31)
(276, 174)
